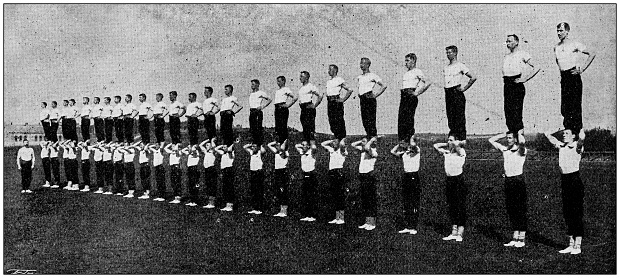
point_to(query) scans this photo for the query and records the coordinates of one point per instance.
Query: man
(514, 77)
(194, 110)
(282, 104)
(230, 107)
(210, 107)
(308, 104)
(117, 115)
(177, 110)
(568, 55)
(160, 111)
(335, 103)
(44, 117)
(414, 84)
(455, 97)
(256, 111)
(95, 114)
(129, 112)
(85, 122)
(108, 120)
(54, 117)
(368, 98)
(65, 119)
(74, 115)
(144, 119)
(25, 163)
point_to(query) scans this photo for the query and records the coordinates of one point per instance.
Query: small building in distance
(14, 135)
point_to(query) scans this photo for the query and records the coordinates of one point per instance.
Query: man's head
(208, 92)
(511, 137)
(173, 95)
(281, 80)
(107, 100)
(192, 97)
(255, 84)
(96, 100)
(142, 97)
(569, 135)
(26, 143)
(228, 90)
(128, 98)
(413, 140)
(159, 97)
(304, 76)
(451, 52)
(85, 100)
(65, 102)
(43, 104)
(117, 99)
(563, 28)
(365, 64)
(54, 104)
(410, 60)
(72, 102)
(332, 70)
(512, 41)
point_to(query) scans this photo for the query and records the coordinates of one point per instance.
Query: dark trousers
(145, 176)
(456, 195)
(72, 130)
(406, 114)
(193, 186)
(144, 127)
(256, 126)
(53, 131)
(281, 118)
(100, 171)
(175, 179)
(228, 184)
(516, 202)
(128, 125)
(368, 106)
(119, 129)
(281, 185)
(514, 93)
(109, 129)
(307, 118)
(160, 125)
(368, 192)
(174, 127)
(455, 110)
(572, 90)
(99, 129)
(55, 170)
(118, 177)
(160, 179)
(71, 170)
(257, 189)
(86, 172)
(108, 167)
(226, 127)
(411, 199)
(308, 193)
(26, 172)
(46, 130)
(130, 175)
(210, 180)
(337, 183)
(210, 126)
(192, 129)
(335, 116)
(85, 128)
(572, 203)
(47, 169)
(65, 129)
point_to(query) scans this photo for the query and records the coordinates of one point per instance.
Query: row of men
(517, 69)
(114, 163)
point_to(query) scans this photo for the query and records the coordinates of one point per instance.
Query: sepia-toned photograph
(310, 138)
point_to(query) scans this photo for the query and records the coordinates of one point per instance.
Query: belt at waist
(227, 112)
(333, 98)
(254, 110)
(281, 105)
(306, 105)
(511, 79)
(568, 71)
(85, 117)
(407, 91)
(174, 116)
(143, 117)
(366, 95)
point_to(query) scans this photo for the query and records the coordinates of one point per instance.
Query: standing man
(368, 97)
(210, 107)
(25, 163)
(74, 115)
(414, 84)
(144, 120)
(455, 97)
(256, 111)
(44, 117)
(108, 120)
(194, 110)
(85, 122)
(282, 105)
(95, 114)
(230, 107)
(308, 105)
(177, 110)
(567, 56)
(335, 103)
(514, 77)
(64, 117)
(54, 116)
(129, 112)
(160, 111)
(117, 115)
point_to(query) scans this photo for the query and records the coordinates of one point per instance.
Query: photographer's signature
(21, 271)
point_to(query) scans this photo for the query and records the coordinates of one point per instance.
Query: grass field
(58, 232)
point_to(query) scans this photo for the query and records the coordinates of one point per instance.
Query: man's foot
(119, 194)
(98, 191)
(159, 199)
(333, 221)
(370, 227)
(459, 238)
(566, 250)
(86, 189)
(46, 185)
(145, 196)
(280, 214)
(252, 212)
(520, 244)
(450, 237)
(128, 196)
(304, 219)
(511, 243)
(226, 209)
(576, 250)
(107, 193)
(404, 231)
(191, 204)
(364, 226)
(176, 200)
(54, 186)
(28, 191)
(209, 206)
(413, 231)
(23, 191)
(311, 219)
(339, 222)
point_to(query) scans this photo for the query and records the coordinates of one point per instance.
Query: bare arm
(472, 79)
(248, 148)
(267, 101)
(554, 141)
(441, 147)
(299, 148)
(358, 145)
(421, 89)
(272, 147)
(591, 54)
(326, 145)
(383, 87)
(347, 94)
(533, 71)
(396, 152)
(493, 140)
(238, 107)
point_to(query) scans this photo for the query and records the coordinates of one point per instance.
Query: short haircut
(565, 25)
(412, 56)
(107, 98)
(573, 131)
(129, 96)
(515, 37)
(453, 48)
(117, 97)
(72, 100)
(514, 134)
(87, 98)
(366, 59)
(255, 81)
(142, 95)
(281, 77)
(174, 93)
(334, 66)
(159, 95)
(210, 89)
(54, 102)
(307, 74)
(192, 95)
(96, 98)
(44, 103)
(230, 87)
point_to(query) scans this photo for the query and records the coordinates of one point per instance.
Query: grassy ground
(59, 232)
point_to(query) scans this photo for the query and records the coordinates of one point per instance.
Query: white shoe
(258, 212)
(209, 206)
(28, 191)
(413, 231)
(66, 187)
(576, 251)
(364, 226)
(520, 244)
(226, 209)
(159, 199)
(86, 189)
(144, 197)
(404, 231)
(450, 237)
(252, 212)
(311, 219)
(191, 204)
(339, 222)
(333, 221)
(75, 187)
(459, 238)
(370, 227)
(54, 186)
(46, 185)
(98, 192)
(511, 243)
(119, 194)
(107, 193)
(568, 249)
(280, 214)
(128, 196)
(304, 219)
(175, 201)
(23, 191)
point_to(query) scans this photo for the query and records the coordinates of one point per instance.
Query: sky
(56, 52)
